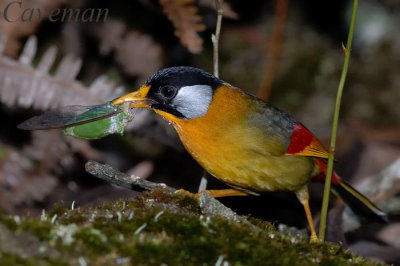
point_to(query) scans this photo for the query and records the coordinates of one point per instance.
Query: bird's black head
(185, 92)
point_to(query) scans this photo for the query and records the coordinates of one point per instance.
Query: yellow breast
(225, 145)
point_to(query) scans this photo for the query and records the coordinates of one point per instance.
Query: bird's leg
(303, 196)
(217, 193)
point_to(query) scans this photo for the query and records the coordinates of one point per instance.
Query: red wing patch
(304, 143)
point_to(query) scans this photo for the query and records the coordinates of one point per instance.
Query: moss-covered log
(158, 228)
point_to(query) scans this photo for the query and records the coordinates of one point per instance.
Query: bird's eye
(167, 92)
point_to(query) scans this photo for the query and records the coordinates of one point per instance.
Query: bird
(242, 140)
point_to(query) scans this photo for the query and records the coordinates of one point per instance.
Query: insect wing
(69, 116)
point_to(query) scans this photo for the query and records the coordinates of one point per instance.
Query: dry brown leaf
(377, 252)
(390, 235)
(136, 52)
(25, 175)
(187, 23)
(29, 174)
(110, 34)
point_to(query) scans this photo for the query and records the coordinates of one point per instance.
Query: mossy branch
(347, 52)
(208, 205)
(109, 174)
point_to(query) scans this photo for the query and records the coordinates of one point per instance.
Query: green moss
(12, 259)
(182, 201)
(40, 229)
(166, 228)
(7, 259)
(9, 222)
(93, 239)
(78, 216)
(58, 209)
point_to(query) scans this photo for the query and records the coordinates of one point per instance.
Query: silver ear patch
(193, 101)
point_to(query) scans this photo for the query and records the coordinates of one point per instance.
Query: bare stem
(347, 51)
(215, 41)
(215, 37)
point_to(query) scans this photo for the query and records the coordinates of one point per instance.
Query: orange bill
(137, 98)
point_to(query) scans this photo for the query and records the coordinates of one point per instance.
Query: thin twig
(109, 174)
(215, 37)
(347, 51)
(274, 48)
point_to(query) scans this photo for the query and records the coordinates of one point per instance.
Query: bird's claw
(314, 238)
(189, 194)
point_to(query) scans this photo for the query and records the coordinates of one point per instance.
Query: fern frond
(186, 21)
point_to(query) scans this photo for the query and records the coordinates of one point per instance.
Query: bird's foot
(218, 193)
(188, 193)
(314, 238)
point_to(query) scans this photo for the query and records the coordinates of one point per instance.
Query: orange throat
(210, 139)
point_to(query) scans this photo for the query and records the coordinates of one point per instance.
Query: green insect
(86, 122)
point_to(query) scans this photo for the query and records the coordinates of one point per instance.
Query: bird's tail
(357, 202)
